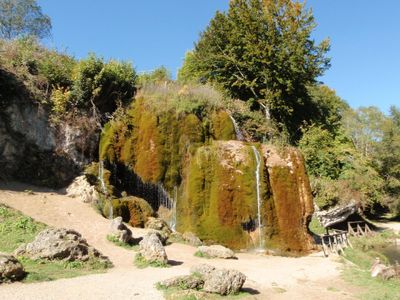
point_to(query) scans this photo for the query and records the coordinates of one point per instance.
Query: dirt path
(269, 277)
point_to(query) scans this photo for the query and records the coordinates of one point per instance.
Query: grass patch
(141, 263)
(113, 239)
(198, 253)
(43, 270)
(365, 250)
(180, 294)
(16, 229)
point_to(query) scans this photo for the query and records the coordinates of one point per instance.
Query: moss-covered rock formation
(183, 143)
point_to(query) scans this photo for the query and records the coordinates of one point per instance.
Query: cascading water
(172, 224)
(239, 135)
(104, 188)
(258, 160)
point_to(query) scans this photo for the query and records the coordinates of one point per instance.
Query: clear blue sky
(365, 38)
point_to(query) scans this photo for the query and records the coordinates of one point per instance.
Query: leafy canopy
(22, 18)
(261, 51)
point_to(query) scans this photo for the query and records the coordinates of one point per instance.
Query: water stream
(239, 134)
(258, 160)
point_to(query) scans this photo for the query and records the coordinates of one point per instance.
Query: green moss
(219, 194)
(222, 126)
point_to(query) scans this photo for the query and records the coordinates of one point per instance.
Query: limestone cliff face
(31, 149)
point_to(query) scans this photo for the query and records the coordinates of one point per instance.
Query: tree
(21, 18)
(261, 51)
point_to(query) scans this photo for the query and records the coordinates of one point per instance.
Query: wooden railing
(358, 228)
(335, 242)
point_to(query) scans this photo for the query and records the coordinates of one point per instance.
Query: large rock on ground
(224, 282)
(152, 249)
(191, 239)
(59, 244)
(120, 231)
(216, 251)
(10, 269)
(81, 188)
(158, 224)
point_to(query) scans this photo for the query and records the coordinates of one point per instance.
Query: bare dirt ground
(268, 277)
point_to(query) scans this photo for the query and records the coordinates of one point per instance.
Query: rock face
(212, 177)
(337, 214)
(120, 230)
(81, 188)
(152, 249)
(32, 149)
(10, 269)
(59, 244)
(216, 251)
(224, 282)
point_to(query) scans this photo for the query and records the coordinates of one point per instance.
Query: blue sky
(365, 38)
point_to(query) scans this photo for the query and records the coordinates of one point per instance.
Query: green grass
(202, 254)
(113, 239)
(141, 263)
(181, 294)
(17, 229)
(362, 256)
(43, 270)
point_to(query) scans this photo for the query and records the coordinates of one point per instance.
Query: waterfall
(239, 135)
(104, 188)
(258, 160)
(172, 224)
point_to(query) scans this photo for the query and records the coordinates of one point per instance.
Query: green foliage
(16, 229)
(316, 227)
(189, 73)
(22, 18)
(262, 51)
(113, 239)
(201, 254)
(160, 75)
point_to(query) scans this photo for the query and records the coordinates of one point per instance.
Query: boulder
(152, 249)
(224, 282)
(191, 239)
(184, 282)
(216, 251)
(120, 230)
(203, 270)
(59, 244)
(81, 188)
(160, 234)
(10, 269)
(159, 225)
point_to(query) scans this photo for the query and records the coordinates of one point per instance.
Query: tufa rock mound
(81, 188)
(59, 244)
(10, 269)
(152, 249)
(120, 231)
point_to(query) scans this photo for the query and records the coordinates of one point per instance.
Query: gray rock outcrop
(216, 251)
(120, 231)
(59, 244)
(10, 269)
(81, 188)
(337, 214)
(152, 249)
(191, 239)
(224, 282)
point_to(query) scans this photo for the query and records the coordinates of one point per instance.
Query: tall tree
(21, 18)
(262, 51)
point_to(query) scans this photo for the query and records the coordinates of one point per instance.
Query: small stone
(10, 269)
(191, 239)
(217, 251)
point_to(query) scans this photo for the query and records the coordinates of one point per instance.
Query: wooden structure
(358, 228)
(335, 242)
